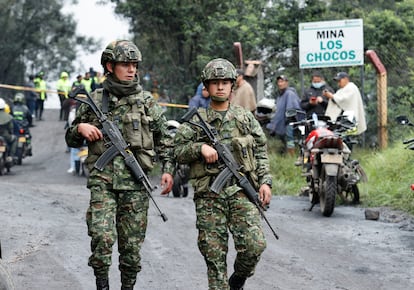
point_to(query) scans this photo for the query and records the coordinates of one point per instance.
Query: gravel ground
(45, 244)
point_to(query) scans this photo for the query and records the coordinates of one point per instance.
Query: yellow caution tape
(173, 105)
(21, 88)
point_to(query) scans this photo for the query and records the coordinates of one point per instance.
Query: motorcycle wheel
(328, 193)
(19, 154)
(2, 166)
(355, 194)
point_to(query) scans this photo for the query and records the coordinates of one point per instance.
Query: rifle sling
(105, 102)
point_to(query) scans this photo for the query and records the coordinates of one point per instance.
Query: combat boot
(236, 282)
(102, 284)
(127, 281)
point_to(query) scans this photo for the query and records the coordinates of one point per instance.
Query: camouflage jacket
(236, 124)
(142, 124)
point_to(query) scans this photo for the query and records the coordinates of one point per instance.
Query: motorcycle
(329, 170)
(24, 143)
(6, 161)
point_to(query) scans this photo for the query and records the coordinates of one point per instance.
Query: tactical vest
(130, 114)
(234, 131)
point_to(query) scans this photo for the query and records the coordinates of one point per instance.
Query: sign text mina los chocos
(331, 43)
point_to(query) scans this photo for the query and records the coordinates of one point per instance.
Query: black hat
(282, 77)
(317, 74)
(340, 76)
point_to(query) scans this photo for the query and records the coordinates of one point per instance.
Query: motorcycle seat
(329, 142)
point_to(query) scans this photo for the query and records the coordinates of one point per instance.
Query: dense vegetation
(35, 36)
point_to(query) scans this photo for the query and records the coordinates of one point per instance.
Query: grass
(390, 174)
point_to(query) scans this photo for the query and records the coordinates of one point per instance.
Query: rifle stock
(117, 146)
(232, 168)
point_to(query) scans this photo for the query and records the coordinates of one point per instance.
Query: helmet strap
(219, 99)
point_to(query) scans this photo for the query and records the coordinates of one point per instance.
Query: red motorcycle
(326, 162)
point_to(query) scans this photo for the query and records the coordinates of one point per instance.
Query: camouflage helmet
(18, 98)
(218, 68)
(120, 51)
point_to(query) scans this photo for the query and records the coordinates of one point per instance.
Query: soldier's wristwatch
(268, 182)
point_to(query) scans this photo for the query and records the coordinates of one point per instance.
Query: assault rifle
(232, 167)
(116, 144)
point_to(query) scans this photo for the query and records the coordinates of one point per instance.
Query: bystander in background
(243, 94)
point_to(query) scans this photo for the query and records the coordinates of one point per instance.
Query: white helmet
(2, 104)
(172, 126)
(265, 108)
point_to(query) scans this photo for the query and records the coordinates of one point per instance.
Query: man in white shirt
(347, 98)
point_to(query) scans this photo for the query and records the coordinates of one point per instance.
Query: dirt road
(45, 244)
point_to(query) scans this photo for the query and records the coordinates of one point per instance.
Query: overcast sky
(100, 22)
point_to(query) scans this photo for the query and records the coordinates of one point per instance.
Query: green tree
(177, 38)
(37, 36)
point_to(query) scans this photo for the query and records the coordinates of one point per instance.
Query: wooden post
(381, 97)
(239, 54)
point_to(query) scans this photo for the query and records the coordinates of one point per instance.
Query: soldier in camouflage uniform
(118, 203)
(230, 209)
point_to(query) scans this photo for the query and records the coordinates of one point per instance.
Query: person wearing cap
(347, 98)
(288, 99)
(313, 100)
(78, 81)
(243, 94)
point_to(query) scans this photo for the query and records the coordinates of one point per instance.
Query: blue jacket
(198, 100)
(289, 99)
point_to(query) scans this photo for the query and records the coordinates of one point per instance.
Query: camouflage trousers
(111, 215)
(215, 216)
